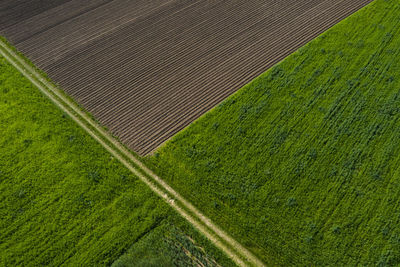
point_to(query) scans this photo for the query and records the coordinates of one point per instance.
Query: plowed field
(146, 69)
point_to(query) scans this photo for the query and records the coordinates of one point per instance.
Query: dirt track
(146, 69)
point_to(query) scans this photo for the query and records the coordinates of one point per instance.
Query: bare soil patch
(147, 69)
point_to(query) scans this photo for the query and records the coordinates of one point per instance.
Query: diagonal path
(237, 252)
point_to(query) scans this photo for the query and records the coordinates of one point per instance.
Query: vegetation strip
(223, 241)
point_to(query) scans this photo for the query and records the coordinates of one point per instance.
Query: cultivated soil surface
(146, 69)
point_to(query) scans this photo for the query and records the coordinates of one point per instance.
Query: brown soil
(147, 69)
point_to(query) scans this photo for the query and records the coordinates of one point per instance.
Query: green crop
(302, 164)
(65, 201)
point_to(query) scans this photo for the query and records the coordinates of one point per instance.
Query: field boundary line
(233, 249)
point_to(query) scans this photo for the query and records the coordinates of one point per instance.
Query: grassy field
(65, 201)
(301, 165)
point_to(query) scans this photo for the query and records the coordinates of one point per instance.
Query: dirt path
(238, 253)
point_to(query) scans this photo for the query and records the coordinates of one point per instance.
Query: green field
(65, 201)
(302, 164)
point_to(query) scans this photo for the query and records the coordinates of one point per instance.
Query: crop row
(147, 70)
